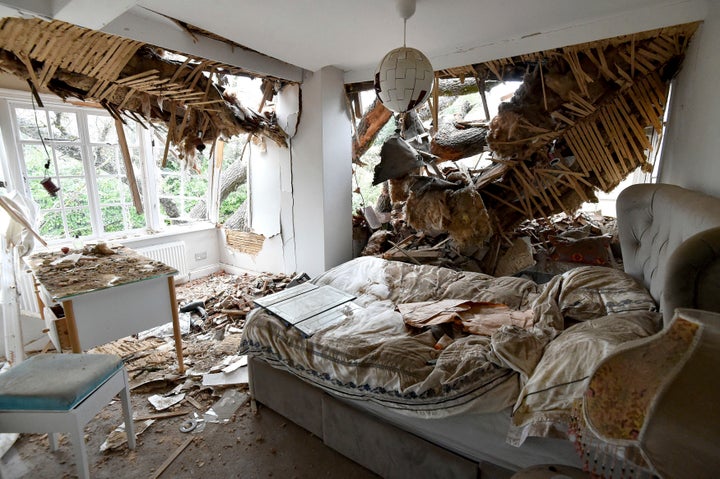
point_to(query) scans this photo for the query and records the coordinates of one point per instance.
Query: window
(182, 192)
(77, 152)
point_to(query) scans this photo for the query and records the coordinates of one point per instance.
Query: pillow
(545, 404)
(589, 292)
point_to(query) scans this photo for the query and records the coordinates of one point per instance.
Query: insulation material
(131, 77)
(428, 211)
(469, 223)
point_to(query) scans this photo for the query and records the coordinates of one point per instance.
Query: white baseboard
(200, 273)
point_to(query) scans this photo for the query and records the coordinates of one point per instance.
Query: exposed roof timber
(153, 29)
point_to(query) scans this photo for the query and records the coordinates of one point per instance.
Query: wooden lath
(127, 76)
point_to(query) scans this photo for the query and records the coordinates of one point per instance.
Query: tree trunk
(451, 143)
(238, 220)
(372, 122)
(230, 180)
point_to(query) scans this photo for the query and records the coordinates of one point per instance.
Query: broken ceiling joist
(129, 76)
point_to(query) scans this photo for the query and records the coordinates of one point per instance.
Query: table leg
(176, 324)
(71, 326)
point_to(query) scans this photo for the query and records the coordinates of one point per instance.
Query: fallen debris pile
(585, 117)
(215, 384)
(541, 246)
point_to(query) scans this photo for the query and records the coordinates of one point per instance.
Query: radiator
(172, 254)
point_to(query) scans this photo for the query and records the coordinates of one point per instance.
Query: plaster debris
(118, 437)
(163, 402)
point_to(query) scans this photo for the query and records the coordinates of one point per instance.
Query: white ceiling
(353, 35)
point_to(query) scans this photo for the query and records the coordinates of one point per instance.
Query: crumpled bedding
(373, 355)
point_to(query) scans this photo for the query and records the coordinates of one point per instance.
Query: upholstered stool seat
(51, 393)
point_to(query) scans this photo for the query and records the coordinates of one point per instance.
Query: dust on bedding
(373, 355)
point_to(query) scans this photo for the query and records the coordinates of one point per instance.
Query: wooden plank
(129, 172)
(172, 457)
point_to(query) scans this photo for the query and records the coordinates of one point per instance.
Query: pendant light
(404, 78)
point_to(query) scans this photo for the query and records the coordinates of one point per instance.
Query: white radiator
(172, 254)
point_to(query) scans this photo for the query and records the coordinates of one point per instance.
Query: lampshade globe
(404, 79)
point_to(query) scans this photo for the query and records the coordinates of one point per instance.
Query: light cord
(404, 32)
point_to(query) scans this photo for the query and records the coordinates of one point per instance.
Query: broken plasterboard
(238, 376)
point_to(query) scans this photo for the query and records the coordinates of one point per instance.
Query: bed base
(381, 447)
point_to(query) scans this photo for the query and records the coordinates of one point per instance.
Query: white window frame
(14, 170)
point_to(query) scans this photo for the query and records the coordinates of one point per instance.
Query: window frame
(149, 173)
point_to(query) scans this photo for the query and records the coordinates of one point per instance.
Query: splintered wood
(130, 77)
(585, 117)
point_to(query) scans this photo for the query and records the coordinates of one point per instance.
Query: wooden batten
(129, 172)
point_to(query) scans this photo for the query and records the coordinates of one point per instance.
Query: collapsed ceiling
(581, 121)
(132, 78)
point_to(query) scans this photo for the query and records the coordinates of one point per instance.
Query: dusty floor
(249, 445)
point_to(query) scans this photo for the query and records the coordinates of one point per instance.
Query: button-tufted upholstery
(654, 220)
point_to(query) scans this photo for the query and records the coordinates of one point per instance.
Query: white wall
(322, 172)
(202, 253)
(691, 153)
(266, 172)
(301, 197)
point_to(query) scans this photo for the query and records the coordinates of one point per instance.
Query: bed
(495, 388)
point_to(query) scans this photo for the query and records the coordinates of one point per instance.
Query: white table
(108, 297)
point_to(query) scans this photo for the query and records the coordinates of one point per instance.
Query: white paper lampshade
(404, 79)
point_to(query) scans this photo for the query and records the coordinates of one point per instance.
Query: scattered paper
(160, 402)
(166, 330)
(239, 376)
(73, 258)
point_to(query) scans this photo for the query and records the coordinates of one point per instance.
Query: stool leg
(81, 460)
(127, 413)
(52, 439)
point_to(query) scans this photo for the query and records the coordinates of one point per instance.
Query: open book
(309, 307)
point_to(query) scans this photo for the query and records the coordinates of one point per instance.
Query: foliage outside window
(182, 192)
(79, 152)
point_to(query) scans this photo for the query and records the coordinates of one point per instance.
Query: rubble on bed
(539, 248)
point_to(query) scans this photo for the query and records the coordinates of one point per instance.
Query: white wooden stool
(52, 393)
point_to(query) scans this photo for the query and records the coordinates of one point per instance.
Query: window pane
(51, 225)
(102, 129)
(131, 135)
(170, 185)
(105, 159)
(189, 205)
(28, 126)
(78, 221)
(196, 186)
(63, 125)
(69, 160)
(35, 159)
(136, 220)
(74, 192)
(112, 219)
(108, 190)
